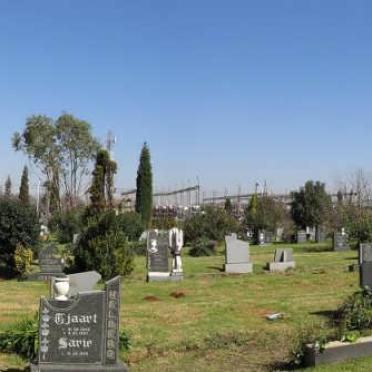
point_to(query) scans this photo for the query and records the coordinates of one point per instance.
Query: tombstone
(157, 256)
(320, 235)
(365, 264)
(340, 241)
(79, 282)
(301, 237)
(80, 333)
(237, 256)
(269, 237)
(283, 260)
(176, 244)
(49, 262)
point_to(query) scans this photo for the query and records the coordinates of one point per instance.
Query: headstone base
(157, 277)
(238, 268)
(118, 367)
(280, 267)
(176, 276)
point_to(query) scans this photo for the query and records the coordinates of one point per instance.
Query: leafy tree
(131, 225)
(38, 142)
(144, 187)
(76, 149)
(8, 187)
(104, 247)
(265, 213)
(310, 205)
(18, 225)
(61, 149)
(24, 193)
(101, 190)
(211, 223)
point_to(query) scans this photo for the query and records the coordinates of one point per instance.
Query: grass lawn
(219, 325)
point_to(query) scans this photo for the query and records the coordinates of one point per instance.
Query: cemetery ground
(216, 322)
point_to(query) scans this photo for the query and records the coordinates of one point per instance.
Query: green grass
(220, 323)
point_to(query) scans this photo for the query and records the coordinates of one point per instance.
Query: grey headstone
(49, 262)
(365, 252)
(301, 237)
(340, 242)
(237, 251)
(283, 255)
(269, 237)
(83, 282)
(82, 333)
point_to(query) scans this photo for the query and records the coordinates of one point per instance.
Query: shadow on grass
(26, 369)
(329, 314)
(216, 268)
(283, 366)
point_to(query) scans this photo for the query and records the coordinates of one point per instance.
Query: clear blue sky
(231, 91)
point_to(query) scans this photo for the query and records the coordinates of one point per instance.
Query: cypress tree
(144, 187)
(8, 187)
(101, 190)
(24, 193)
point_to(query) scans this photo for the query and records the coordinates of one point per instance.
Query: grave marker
(237, 255)
(49, 262)
(157, 256)
(283, 260)
(80, 333)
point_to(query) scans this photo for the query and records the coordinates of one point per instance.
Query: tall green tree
(77, 148)
(228, 206)
(8, 187)
(144, 187)
(101, 189)
(311, 205)
(24, 192)
(62, 150)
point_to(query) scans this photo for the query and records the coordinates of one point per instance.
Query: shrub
(212, 223)
(67, 224)
(21, 339)
(356, 312)
(22, 260)
(203, 247)
(131, 225)
(104, 247)
(18, 225)
(138, 248)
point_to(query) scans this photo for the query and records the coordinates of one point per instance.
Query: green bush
(138, 248)
(22, 260)
(356, 312)
(104, 247)
(131, 225)
(18, 225)
(67, 224)
(212, 223)
(21, 339)
(202, 247)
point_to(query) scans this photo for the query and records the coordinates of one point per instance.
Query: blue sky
(230, 91)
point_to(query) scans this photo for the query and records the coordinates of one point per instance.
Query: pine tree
(101, 190)
(8, 187)
(144, 187)
(24, 193)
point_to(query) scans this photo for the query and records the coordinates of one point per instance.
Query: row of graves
(237, 257)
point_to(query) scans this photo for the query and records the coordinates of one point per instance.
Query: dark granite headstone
(158, 264)
(365, 264)
(49, 262)
(340, 242)
(82, 333)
